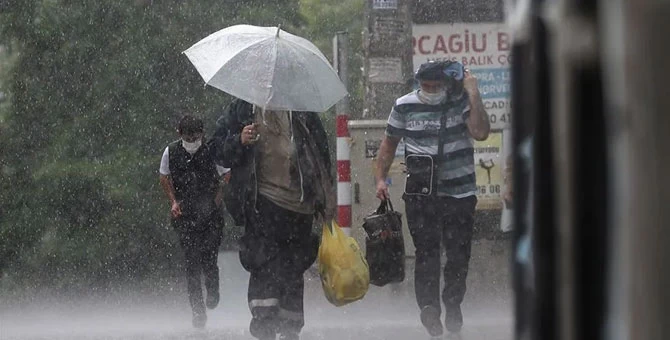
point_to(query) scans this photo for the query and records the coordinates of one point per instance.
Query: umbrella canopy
(267, 67)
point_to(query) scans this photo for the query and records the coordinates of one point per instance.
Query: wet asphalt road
(384, 314)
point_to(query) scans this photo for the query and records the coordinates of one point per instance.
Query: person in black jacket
(193, 182)
(281, 180)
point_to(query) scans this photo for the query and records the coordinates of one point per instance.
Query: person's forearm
(234, 152)
(385, 157)
(479, 121)
(166, 183)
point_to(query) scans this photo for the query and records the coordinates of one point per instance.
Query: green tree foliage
(323, 19)
(95, 90)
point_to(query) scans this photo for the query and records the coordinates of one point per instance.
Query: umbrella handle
(278, 29)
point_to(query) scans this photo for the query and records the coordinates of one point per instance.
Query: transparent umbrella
(268, 67)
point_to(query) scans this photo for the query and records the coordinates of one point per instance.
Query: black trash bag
(384, 245)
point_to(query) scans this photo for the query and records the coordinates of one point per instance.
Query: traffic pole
(340, 56)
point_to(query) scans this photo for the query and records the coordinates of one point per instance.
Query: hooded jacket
(242, 191)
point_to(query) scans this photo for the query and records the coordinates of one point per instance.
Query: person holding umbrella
(277, 149)
(282, 177)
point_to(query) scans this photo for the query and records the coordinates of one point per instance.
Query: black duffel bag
(384, 245)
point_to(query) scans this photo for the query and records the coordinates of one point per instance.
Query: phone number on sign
(492, 189)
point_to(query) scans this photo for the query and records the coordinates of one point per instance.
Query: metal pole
(341, 55)
(388, 55)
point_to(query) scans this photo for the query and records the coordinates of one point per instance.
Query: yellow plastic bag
(345, 276)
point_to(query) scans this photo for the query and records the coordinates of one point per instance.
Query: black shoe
(199, 320)
(454, 336)
(289, 336)
(212, 300)
(430, 318)
(453, 318)
(260, 329)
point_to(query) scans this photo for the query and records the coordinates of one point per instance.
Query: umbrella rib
(214, 36)
(311, 76)
(275, 52)
(320, 56)
(227, 61)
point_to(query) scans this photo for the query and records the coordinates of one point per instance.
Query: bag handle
(385, 206)
(440, 149)
(333, 228)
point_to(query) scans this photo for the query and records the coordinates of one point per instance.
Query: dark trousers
(283, 247)
(200, 243)
(435, 220)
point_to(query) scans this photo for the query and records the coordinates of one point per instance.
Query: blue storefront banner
(493, 82)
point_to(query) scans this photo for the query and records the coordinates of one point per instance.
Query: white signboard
(488, 169)
(384, 4)
(483, 48)
(385, 70)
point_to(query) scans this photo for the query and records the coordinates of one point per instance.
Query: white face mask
(432, 98)
(191, 147)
